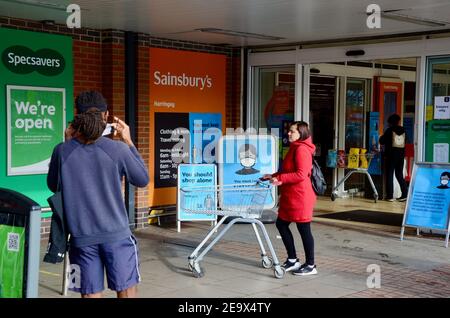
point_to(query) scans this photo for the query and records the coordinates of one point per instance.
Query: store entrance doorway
(322, 114)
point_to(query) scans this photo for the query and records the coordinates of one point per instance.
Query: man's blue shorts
(120, 259)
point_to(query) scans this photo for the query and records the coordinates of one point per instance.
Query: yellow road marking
(50, 273)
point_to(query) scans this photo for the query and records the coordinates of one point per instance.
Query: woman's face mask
(444, 180)
(248, 162)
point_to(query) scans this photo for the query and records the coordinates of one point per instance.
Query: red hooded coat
(297, 195)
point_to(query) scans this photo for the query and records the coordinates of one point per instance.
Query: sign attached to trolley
(35, 125)
(197, 192)
(243, 159)
(428, 204)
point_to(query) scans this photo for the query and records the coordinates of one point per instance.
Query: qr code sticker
(13, 242)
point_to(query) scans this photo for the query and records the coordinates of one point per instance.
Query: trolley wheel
(333, 197)
(279, 272)
(267, 262)
(197, 271)
(375, 197)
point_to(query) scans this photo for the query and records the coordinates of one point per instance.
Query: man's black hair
(89, 125)
(90, 99)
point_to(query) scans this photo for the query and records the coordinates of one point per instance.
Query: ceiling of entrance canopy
(243, 22)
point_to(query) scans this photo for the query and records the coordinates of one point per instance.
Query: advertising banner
(373, 134)
(206, 130)
(437, 144)
(428, 204)
(196, 192)
(183, 138)
(35, 125)
(243, 159)
(184, 86)
(12, 251)
(36, 101)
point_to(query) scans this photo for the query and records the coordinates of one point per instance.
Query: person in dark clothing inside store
(92, 168)
(297, 198)
(394, 140)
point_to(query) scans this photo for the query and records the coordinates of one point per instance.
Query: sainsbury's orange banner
(181, 82)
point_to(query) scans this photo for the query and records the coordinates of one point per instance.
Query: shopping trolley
(362, 164)
(245, 202)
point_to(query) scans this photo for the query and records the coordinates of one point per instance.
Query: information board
(35, 124)
(428, 203)
(243, 159)
(196, 191)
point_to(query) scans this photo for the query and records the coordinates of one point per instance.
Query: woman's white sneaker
(305, 270)
(291, 266)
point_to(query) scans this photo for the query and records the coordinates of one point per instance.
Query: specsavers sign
(22, 60)
(35, 126)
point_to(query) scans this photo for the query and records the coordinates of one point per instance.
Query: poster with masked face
(243, 159)
(428, 203)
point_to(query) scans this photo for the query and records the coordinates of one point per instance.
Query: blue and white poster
(428, 202)
(374, 123)
(197, 192)
(243, 159)
(206, 130)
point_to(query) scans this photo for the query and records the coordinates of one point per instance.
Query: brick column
(143, 141)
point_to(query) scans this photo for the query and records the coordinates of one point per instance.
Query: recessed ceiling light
(395, 15)
(239, 34)
(48, 22)
(39, 3)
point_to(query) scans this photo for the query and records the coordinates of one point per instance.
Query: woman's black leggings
(288, 239)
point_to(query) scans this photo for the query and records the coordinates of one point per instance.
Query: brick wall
(99, 57)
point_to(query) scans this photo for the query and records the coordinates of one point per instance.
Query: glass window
(274, 102)
(437, 128)
(354, 114)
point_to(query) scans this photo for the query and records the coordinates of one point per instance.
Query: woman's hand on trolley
(272, 180)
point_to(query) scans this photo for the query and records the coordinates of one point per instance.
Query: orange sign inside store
(388, 99)
(181, 82)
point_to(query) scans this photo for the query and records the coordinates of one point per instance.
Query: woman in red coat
(297, 198)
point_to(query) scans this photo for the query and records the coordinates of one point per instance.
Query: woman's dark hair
(393, 120)
(89, 125)
(302, 128)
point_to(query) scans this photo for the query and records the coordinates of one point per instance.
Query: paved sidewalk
(416, 267)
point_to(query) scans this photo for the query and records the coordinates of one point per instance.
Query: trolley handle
(264, 183)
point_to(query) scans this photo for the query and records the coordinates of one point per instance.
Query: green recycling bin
(438, 141)
(20, 223)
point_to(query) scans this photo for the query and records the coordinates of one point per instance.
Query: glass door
(322, 120)
(273, 104)
(356, 101)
